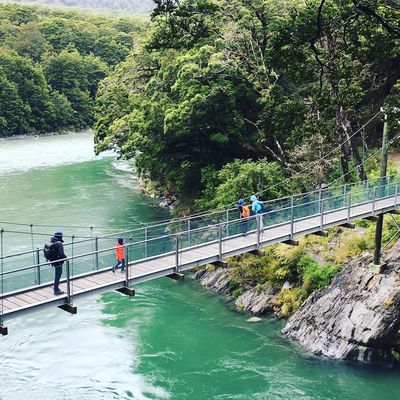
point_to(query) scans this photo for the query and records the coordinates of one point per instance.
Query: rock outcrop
(257, 301)
(357, 317)
(218, 280)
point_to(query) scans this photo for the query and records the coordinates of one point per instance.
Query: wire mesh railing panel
(279, 216)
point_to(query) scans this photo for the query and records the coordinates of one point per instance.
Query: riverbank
(303, 282)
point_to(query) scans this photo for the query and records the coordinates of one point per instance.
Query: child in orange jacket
(120, 254)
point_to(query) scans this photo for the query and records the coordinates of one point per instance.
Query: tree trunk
(348, 130)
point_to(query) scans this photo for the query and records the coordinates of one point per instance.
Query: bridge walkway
(182, 259)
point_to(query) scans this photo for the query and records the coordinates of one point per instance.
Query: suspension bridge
(172, 247)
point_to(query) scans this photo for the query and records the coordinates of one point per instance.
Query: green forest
(132, 6)
(51, 63)
(213, 99)
(225, 98)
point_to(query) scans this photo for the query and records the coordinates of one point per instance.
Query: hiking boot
(113, 270)
(122, 269)
(58, 292)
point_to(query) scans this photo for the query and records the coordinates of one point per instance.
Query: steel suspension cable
(367, 159)
(314, 163)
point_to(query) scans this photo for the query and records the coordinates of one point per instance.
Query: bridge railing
(40, 273)
(79, 245)
(88, 255)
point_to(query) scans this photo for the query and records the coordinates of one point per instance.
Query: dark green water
(172, 341)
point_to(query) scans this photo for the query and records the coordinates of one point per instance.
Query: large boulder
(357, 317)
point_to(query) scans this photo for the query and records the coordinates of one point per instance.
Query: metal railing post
(69, 298)
(396, 192)
(373, 201)
(388, 185)
(292, 217)
(258, 230)
(177, 253)
(322, 215)
(189, 227)
(126, 266)
(349, 208)
(227, 222)
(220, 241)
(146, 236)
(96, 257)
(319, 200)
(38, 266)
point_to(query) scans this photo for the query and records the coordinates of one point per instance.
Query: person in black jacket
(58, 241)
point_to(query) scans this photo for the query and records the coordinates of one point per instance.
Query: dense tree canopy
(260, 81)
(51, 64)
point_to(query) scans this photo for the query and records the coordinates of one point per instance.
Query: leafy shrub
(316, 277)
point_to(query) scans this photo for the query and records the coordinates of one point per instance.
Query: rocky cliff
(357, 317)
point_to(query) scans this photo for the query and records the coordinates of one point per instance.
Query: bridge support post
(127, 291)
(257, 252)
(3, 330)
(176, 276)
(348, 225)
(68, 307)
(379, 223)
(258, 230)
(220, 264)
(372, 218)
(320, 233)
(291, 242)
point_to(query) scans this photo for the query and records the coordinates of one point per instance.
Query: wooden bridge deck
(164, 265)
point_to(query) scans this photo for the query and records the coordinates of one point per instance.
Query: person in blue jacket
(257, 207)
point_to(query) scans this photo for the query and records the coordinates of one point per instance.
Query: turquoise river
(171, 341)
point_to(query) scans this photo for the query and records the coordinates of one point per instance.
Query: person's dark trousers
(120, 263)
(243, 225)
(57, 277)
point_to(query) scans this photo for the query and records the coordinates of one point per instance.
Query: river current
(171, 341)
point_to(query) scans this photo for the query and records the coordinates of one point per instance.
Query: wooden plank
(25, 298)
(35, 296)
(109, 278)
(47, 293)
(95, 281)
(18, 303)
(10, 305)
(5, 306)
(83, 283)
(102, 279)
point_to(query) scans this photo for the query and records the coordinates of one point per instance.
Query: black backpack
(50, 251)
